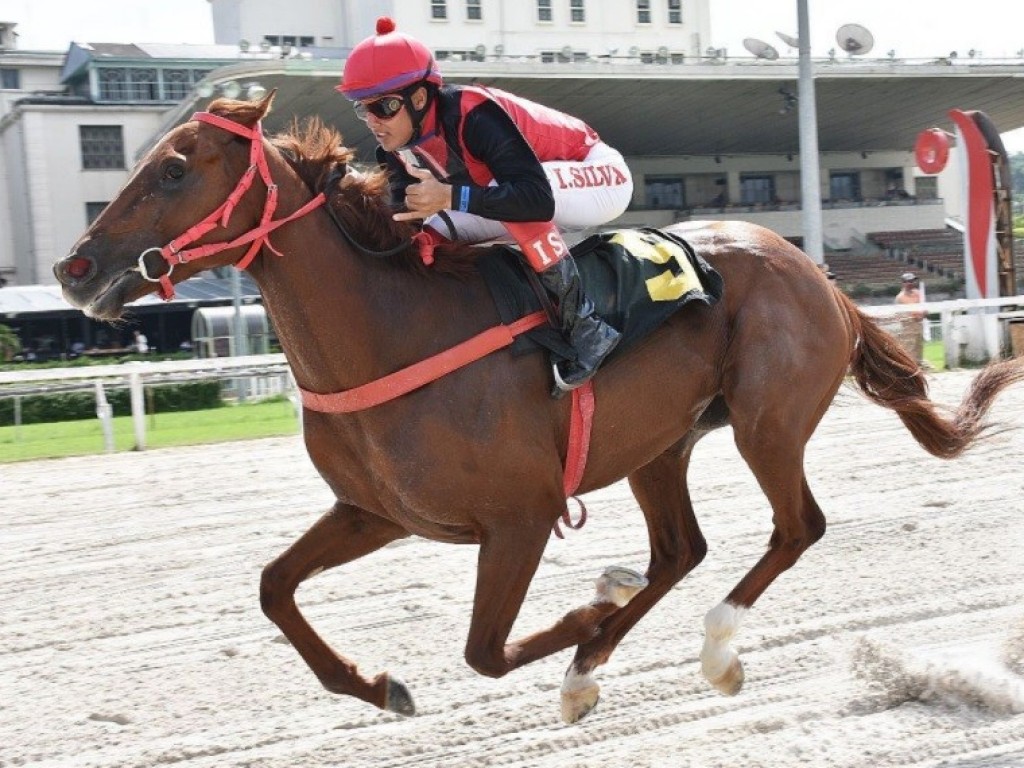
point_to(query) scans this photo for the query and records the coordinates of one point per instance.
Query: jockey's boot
(590, 336)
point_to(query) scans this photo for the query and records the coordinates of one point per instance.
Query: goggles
(384, 108)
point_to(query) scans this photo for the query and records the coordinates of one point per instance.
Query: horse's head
(178, 184)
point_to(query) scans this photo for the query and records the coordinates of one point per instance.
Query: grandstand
(935, 255)
(938, 253)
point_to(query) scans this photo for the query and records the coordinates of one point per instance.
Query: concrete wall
(47, 189)
(842, 227)
(511, 24)
(331, 24)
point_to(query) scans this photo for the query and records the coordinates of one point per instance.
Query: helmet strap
(417, 114)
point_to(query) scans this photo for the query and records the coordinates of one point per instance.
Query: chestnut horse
(476, 457)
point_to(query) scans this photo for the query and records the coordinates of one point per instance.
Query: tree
(10, 344)
(1017, 174)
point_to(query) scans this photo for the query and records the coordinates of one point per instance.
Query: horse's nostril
(78, 267)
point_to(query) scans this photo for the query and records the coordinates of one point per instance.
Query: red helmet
(386, 63)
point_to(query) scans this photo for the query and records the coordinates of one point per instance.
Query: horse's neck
(344, 319)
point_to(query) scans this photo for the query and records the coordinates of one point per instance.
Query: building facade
(547, 30)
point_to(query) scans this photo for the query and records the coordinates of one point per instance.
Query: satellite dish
(567, 52)
(480, 50)
(792, 42)
(855, 39)
(663, 52)
(760, 49)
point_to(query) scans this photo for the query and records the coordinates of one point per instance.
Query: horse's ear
(266, 101)
(245, 112)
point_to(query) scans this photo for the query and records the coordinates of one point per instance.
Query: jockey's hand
(426, 197)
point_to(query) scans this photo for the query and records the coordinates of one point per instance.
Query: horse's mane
(361, 199)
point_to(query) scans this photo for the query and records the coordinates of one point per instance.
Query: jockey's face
(394, 132)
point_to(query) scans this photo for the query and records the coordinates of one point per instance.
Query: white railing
(135, 376)
(972, 329)
(987, 339)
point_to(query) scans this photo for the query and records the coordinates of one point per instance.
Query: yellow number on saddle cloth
(668, 285)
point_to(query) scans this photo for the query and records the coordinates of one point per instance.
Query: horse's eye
(174, 171)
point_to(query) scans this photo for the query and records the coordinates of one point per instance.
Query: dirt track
(132, 634)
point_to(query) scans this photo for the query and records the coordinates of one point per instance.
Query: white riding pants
(588, 193)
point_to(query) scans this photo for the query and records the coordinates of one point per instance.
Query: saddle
(637, 279)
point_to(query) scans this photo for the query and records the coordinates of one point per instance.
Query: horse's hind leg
(773, 447)
(340, 536)
(677, 547)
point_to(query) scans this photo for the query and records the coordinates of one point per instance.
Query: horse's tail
(889, 376)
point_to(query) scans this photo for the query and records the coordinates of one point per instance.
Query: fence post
(138, 410)
(17, 417)
(104, 412)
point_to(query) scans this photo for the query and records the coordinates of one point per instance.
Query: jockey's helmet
(388, 62)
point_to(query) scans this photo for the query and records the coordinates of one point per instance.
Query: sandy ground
(131, 632)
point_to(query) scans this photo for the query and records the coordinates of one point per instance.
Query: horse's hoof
(399, 700)
(576, 704)
(619, 585)
(728, 681)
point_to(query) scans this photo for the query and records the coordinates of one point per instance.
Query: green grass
(72, 438)
(935, 354)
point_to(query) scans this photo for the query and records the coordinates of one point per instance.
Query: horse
(477, 456)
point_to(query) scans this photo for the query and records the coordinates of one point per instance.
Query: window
(757, 189)
(675, 11)
(926, 187)
(113, 84)
(543, 10)
(473, 10)
(102, 146)
(10, 79)
(664, 192)
(844, 186)
(577, 13)
(438, 9)
(177, 84)
(306, 41)
(442, 54)
(643, 11)
(129, 84)
(92, 210)
(142, 85)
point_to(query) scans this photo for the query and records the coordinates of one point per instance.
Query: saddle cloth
(636, 278)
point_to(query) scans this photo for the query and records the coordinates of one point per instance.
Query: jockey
(477, 164)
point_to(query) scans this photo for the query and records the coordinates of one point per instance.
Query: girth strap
(422, 373)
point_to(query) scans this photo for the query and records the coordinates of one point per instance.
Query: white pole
(810, 185)
(105, 412)
(927, 326)
(138, 410)
(241, 336)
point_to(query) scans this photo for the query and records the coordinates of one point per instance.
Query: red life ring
(932, 150)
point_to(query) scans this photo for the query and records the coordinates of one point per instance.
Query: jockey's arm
(522, 192)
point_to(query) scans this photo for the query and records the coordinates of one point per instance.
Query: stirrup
(561, 385)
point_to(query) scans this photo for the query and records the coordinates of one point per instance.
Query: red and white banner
(980, 260)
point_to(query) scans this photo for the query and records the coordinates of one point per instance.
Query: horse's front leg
(508, 561)
(344, 534)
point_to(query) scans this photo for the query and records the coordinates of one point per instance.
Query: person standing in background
(912, 323)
